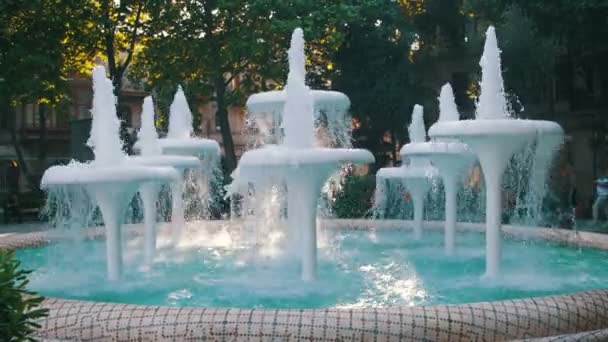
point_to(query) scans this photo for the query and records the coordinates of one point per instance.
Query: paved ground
(590, 226)
(26, 227)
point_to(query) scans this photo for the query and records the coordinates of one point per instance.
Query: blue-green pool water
(356, 269)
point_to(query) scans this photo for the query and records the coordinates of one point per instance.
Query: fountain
(450, 157)
(494, 137)
(296, 162)
(181, 142)
(266, 111)
(109, 179)
(151, 156)
(369, 273)
(264, 126)
(417, 175)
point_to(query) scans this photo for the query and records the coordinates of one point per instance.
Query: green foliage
(31, 56)
(224, 50)
(538, 37)
(354, 199)
(19, 308)
(373, 66)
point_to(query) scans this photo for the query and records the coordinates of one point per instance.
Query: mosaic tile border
(580, 316)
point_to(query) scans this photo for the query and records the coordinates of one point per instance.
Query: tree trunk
(42, 115)
(395, 151)
(32, 182)
(222, 115)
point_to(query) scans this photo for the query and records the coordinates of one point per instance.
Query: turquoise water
(356, 269)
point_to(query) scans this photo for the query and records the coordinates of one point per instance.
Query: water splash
(298, 112)
(492, 101)
(448, 111)
(416, 129)
(104, 138)
(180, 120)
(147, 136)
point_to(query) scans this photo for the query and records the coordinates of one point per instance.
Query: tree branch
(131, 50)
(236, 72)
(109, 37)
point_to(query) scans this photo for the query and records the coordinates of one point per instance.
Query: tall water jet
(180, 117)
(495, 138)
(147, 135)
(109, 179)
(151, 156)
(296, 162)
(450, 157)
(492, 102)
(298, 123)
(448, 111)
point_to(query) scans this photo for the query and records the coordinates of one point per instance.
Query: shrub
(19, 308)
(354, 199)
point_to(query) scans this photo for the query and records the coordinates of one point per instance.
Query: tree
(113, 31)
(31, 59)
(206, 45)
(545, 43)
(373, 66)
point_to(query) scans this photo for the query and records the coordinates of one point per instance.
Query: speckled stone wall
(491, 321)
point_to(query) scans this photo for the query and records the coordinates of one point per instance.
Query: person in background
(566, 191)
(601, 198)
(11, 208)
(11, 204)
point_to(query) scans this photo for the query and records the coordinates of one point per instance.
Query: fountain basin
(82, 174)
(494, 142)
(545, 316)
(435, 147)
(111, 189)
(179, 162)
(332, 103)
(191, 146)
(407, 172)
(494, 128)
(273, 155)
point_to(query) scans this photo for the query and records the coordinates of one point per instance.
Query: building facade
(63, 133)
